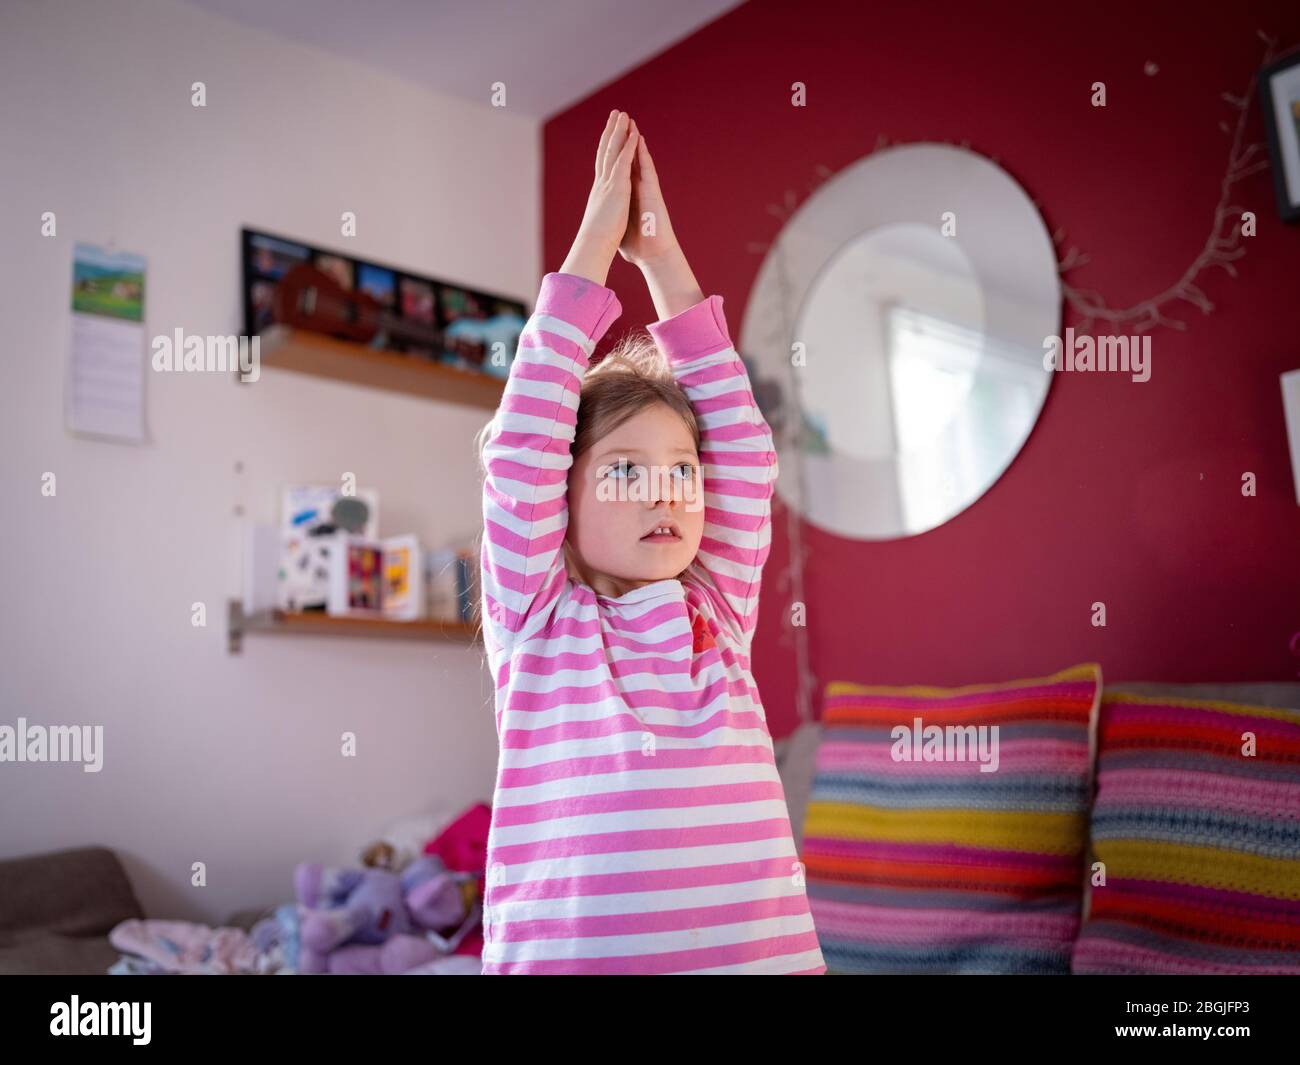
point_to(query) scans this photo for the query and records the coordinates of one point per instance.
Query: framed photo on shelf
(1279, 90)
(481, 331)
(376, 304)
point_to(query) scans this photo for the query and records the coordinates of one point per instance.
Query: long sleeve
(528, 455)
(737, 456)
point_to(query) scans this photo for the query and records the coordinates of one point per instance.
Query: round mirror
(897, 327)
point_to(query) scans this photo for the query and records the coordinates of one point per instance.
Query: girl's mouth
(662, 534)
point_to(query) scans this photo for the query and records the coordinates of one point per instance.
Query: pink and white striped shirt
(638, 822)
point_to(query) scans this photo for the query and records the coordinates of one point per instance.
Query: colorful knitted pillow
(1199, 839)
(921, 865)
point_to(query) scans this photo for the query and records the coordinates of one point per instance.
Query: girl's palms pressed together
(647, 212)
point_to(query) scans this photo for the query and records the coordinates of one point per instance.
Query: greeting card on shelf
(440, 578)
(375, 578)
(356, 577)
(311, 518)
(403, 573)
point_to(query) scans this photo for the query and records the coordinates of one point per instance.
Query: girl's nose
(665, 488)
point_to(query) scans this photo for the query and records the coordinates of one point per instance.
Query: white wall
(233, 761)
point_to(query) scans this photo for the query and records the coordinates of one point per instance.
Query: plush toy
(399, 955)
(276, 937)
(462, 846)
(365, 920)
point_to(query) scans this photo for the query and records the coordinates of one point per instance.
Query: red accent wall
(1125, 493)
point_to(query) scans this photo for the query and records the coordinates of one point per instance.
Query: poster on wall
(104, 378)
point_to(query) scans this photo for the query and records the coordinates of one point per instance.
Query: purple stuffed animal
(350, 914)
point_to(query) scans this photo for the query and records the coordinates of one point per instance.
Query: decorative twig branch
(1222, 247)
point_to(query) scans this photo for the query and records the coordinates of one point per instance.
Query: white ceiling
(549, 53)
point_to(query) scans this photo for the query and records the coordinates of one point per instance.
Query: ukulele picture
(309, 298)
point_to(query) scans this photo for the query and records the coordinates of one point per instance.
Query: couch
(57, 909)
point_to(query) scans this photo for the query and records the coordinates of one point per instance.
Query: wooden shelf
(318, 623)
(303, 351)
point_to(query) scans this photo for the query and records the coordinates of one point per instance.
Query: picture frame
(475, 324)
(1279, 91)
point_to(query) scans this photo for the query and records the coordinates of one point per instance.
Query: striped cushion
(935, 866)
(1200, 843)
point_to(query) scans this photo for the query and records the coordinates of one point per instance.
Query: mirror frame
(998, 229)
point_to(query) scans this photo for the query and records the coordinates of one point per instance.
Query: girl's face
(643, 475)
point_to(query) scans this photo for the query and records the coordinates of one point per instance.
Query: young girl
(638, 823)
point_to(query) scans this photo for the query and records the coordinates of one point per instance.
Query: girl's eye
(684, 471)
(622, 468)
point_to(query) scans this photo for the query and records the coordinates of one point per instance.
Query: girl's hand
(605, 220)
(649, 234)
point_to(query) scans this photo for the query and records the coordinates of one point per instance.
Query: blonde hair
(632, 376)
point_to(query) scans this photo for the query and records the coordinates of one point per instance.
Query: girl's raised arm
(737, 451)
(737, 458)
(528, 455)
(528, 452)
